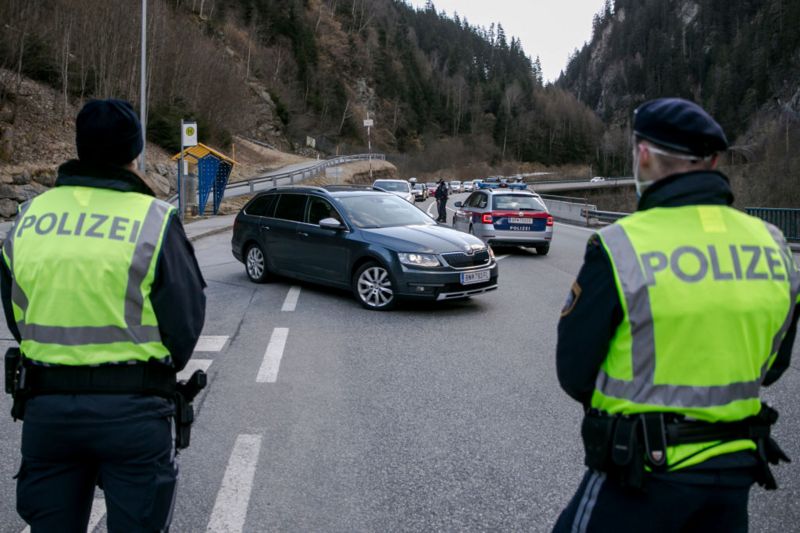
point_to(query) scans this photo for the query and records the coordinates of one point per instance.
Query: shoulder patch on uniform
(572, 299)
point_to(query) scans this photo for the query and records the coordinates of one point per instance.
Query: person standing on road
(441, 200)
(101, 288)
(681, 312)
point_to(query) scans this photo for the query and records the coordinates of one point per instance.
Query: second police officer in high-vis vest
(679, 315)
(101, 289)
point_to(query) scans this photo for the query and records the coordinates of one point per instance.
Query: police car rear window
(518, 201)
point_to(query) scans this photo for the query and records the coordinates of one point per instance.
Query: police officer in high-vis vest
(681, 312)
(101, 289)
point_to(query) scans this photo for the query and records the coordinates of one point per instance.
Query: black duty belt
(153, 379)
(623, 445)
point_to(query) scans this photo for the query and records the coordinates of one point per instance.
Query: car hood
(430, 239)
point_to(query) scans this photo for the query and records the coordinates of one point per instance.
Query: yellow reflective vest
(83, 262)
(707, 294)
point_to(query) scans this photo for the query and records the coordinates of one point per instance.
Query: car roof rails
(351, 187)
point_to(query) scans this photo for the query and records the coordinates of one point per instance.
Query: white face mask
(641, 186)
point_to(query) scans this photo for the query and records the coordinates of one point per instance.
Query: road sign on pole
(188, 134)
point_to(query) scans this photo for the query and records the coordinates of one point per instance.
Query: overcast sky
(551, 29)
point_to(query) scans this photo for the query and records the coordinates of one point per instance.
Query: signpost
(369, 123)
(188, 138)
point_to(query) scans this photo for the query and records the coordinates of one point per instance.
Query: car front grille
(461, 260)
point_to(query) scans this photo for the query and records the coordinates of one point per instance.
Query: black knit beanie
(108, 132)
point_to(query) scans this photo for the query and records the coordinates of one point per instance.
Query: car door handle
(302, 233)
(265, 228)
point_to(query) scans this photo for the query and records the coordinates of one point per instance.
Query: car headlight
(419, 260)
(491, 252)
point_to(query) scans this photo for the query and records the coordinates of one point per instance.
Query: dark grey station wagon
(373, 243)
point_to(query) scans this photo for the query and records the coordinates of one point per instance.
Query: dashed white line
(230, 508)
(192, 365)
(500, 257)
(268, 373)
(211, 343)
(290, 303)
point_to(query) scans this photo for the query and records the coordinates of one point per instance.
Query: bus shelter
(212, 169)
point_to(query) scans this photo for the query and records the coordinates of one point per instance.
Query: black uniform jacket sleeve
(177, 295)
(588, 322)
(5, 291)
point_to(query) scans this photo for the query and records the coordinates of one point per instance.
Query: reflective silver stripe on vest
(142, 259)
(794, 284)
(135, 332)
(643, 389)
(17, 295)
(83, 335)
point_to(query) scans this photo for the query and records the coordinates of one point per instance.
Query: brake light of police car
(487, 218)
(549, 221)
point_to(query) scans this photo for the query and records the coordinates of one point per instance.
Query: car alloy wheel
(256, 264)
(374, 288)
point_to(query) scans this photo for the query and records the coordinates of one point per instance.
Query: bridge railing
(296, 175)
(787, 220)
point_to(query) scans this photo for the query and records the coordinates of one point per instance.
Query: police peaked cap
(679, 125)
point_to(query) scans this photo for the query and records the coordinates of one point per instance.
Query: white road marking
(97, 514)
(268, 373)
(290, 303)
(192, 365)
(500, 257)
(230, 508)
(211, 343)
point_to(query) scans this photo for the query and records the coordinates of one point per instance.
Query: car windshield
(393, 186)
(382, 211)
(418, 187)
(518, 201)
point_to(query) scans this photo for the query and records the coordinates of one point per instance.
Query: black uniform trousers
(441, 205)
(132, 458)
(667, 505)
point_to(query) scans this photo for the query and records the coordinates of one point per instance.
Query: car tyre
(255, 264)
(542, 250)
(373, 287)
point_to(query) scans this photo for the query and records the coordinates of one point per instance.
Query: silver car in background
(400, 188)
(505, 216)
(455, 187)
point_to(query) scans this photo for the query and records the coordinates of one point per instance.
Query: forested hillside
(739, 58)
(440, 90)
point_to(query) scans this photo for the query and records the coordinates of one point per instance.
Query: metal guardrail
(604, 216)
(297, 174)
(787, 220)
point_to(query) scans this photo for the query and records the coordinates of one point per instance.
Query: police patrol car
(506, 214)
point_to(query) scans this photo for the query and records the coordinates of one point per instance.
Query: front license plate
(470, 278)
(520, 221)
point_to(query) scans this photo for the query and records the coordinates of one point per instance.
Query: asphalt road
(322, 416)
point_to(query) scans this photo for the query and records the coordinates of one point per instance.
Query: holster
(613, 445)
(15, 381)
(184, 410)
(184, 417)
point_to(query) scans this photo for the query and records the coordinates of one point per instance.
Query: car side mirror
(331, 224)
(458, 204)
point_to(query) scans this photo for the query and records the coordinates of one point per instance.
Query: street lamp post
(368, 123)
(143, 87)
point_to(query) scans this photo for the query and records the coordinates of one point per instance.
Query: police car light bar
(494, 185)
